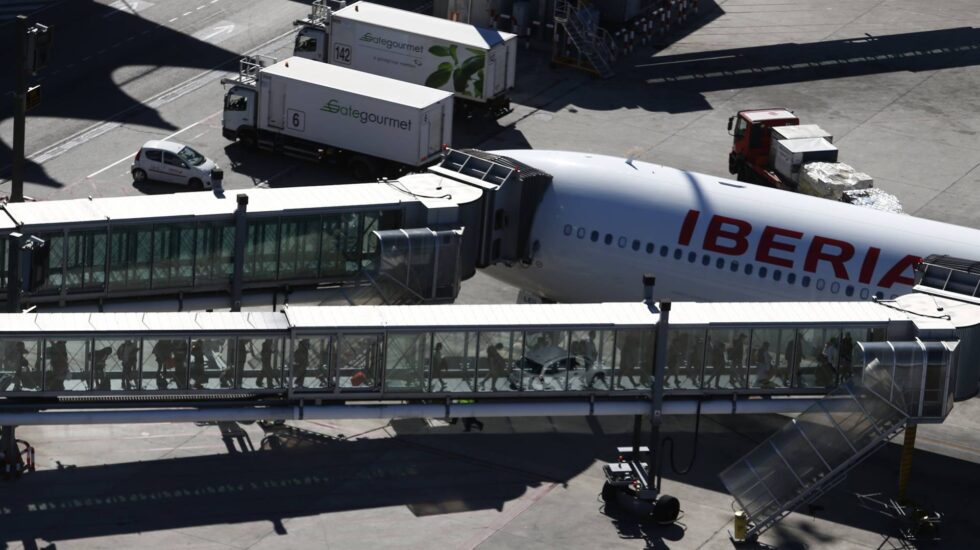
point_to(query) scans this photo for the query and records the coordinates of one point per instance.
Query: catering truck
(476, 64)
(371, 124)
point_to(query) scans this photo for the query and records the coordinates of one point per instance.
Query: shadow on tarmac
(294, 472)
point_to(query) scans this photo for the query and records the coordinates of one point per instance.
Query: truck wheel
(247, 139)
(362, 169)
(139, 175)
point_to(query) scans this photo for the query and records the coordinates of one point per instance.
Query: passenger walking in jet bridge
(716, 360)
(439, 367)
(496, 366)
(98, 368)
(199, 377)
(161, 352)
(58, 361)
(179, 361)
(737, 356)
(845, 355)
(266, 373)
(301, 358)
(794, 356)
(695, 360)
(127, 353)
(629, 360)
(16, 358)
(827, 363)
(766, 369)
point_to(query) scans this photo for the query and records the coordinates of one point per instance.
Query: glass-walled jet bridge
(511, 359)
(413, 238)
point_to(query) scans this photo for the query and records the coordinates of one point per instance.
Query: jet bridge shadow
(432, 470)
(675, 83)
(83, 79)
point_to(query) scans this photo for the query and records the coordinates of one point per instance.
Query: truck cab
(751, 131)
(238, 117)
(311, 43)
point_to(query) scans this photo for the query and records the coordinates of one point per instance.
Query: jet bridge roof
(186, 206)
(141, 322)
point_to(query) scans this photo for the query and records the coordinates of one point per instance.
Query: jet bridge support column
(905, 467)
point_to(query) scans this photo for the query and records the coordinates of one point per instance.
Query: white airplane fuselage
(605, 222)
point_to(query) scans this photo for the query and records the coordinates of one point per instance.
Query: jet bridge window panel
(768, 364)
(215, 250)
(592, 352)
(299, 248)
(454, 360)
(313, 360)
(724, 362)
(212, 363)
(85, 260)
(407, 362)
(164, 364)
(546, 361)
(359, 362)
(173, 255)
(633, 365)
(501, 363)
(130, 258)
(685, 358)
(262, 250)
(262, 368)
(66, 365)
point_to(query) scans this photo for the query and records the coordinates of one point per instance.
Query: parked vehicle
(172, 162)
(476, 64)
(372, 124)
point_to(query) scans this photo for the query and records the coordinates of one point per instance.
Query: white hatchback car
(172, 162)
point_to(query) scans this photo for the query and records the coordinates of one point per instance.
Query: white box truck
(476, 64)
(374, 125)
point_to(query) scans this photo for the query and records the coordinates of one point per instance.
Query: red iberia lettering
(897, 273)
(868, 266)
(818, 252)
(768, 243)
(687, 229)
(727, 229)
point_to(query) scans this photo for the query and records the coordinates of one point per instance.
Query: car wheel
(139, 175)
(196, 184)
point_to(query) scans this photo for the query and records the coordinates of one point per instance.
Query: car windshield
(191, 156)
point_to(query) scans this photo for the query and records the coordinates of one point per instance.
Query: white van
(172, 162)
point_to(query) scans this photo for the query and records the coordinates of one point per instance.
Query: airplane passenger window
(650, 248)
(691, 256)
(762, 272)
(678, 253)
(879, 295)
(705, 260)
(791, 278)
(734, 266)
(568, 229)
(595, 236)
(805, 282)
(849, 290)
(777, 275)
(608, 238)
(835, 287)
(748, 269)
(821, 284)
(865, 293)
(580, 233)
(636, 244)
(622, 242)
(664, 251)
(720, 263)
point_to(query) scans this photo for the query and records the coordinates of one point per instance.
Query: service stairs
(814, 452)
(581, 24)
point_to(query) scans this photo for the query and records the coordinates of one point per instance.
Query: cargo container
(374, 125)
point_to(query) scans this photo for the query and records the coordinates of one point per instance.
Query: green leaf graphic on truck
(465, 76)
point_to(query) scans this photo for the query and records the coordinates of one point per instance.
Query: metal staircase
(581, 25)
(814, 452)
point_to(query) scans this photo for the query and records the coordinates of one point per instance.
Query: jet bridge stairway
(581, 24)
(900, 384)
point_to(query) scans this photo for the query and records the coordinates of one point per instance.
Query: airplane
(605, 221)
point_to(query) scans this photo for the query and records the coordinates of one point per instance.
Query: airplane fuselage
(604, 222)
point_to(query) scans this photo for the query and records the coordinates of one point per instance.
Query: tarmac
(895, 83)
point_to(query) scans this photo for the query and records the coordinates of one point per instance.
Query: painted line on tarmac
(127, 157)
(83, 136)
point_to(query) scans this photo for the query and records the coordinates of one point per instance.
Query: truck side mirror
(731, 120)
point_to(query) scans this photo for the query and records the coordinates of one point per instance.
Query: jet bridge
(268, 246)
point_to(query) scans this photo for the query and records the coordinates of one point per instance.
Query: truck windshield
(740, 127)
(305, 44)
(191, 156)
